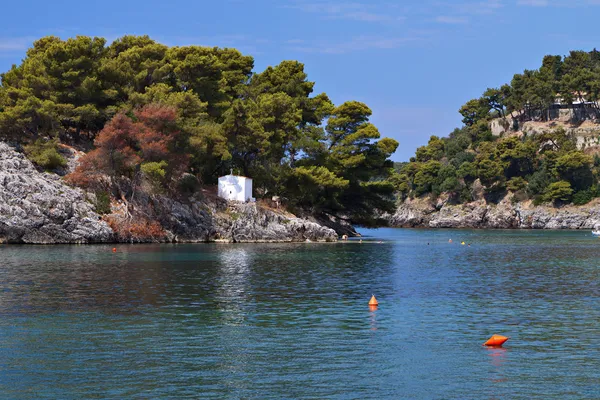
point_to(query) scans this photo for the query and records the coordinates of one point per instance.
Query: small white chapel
(235, 188)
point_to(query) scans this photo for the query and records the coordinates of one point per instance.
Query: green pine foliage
(102, 203)
(545, 168)
(180, 115)
(45, 154)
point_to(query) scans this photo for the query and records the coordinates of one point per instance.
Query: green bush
(465, 195)
(155, 172)
(560, 190)
(582, 197)
(188, 184)
(538, 182)
(518, 196)
(451, 184)
(538, 200)
(45, 154)
(102, 204)
(517, 183)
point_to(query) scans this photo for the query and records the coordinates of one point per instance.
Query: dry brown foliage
(137, 231)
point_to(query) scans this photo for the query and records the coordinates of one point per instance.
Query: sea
(292, 321)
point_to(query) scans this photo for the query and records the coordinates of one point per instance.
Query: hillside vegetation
(547, 167)
(168, 119)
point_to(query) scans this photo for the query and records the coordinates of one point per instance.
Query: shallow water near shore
(291, 321)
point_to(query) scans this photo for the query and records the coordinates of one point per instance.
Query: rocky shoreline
(421, 213)
(39, 208)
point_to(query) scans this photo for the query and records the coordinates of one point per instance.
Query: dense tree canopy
(560, 81)
(545, 167)
(146, 109)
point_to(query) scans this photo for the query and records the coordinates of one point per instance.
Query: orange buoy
(496, 340)
(373, 301)
(114, 249)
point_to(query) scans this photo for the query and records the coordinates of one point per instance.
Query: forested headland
(169, 120)
(546, 167)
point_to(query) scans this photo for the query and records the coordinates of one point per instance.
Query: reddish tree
(157, 133)
(125, 143)
(117, 146)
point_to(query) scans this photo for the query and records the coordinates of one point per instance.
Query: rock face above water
(504, 215)
(39, 208)
(214, 219)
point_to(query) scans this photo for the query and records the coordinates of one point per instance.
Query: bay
(291, 321)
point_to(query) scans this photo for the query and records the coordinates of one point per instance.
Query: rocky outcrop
(39, 208)
(208, 219)
(504, 215)
(585, 133)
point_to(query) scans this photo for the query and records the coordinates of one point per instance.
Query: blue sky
(413, 62)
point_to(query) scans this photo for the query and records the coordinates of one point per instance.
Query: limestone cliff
(504, 215)
(38, 207)
(585, 132)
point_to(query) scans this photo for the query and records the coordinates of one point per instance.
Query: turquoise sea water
(291, 321)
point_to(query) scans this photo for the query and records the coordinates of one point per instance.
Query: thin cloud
(445, 19)
(15, 44)
(477, 7)
(359, 43)
(231, 40)
(533, 3)
(345, 10)
(558, 3)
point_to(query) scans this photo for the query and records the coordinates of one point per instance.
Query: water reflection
(373, 317)
(72, 279)
(498, 356)
(231, 294)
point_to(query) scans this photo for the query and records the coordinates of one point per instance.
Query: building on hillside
(579, 99)
(235, 188)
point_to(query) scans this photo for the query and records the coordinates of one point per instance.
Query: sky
(414, 63)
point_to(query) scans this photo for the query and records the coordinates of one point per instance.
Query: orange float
(114, 249)
(373, 301)
(496, 340)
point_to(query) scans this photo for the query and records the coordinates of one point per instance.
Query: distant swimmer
(344, 237)
(449, 240)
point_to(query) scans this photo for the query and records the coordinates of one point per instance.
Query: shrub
(188, 183)
(515, 184)
(538, 200)
(538, 182)
(560, 190)
(518, 196)
(102, 203)
(582, 197)
(452, 185)
(45, 154)
(88, 174)
(465, 195)
(155, 172)
(140, 230)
